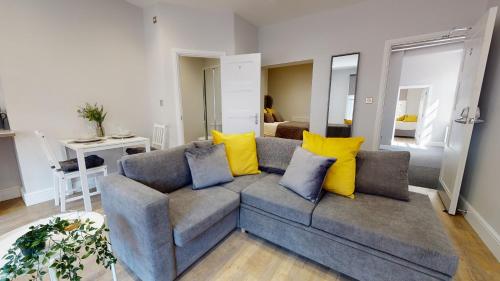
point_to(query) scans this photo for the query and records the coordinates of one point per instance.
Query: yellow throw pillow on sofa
(401, 118)
(340, 178)
(241, 150)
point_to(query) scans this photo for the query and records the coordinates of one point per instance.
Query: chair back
(54, 164)
(159, 136)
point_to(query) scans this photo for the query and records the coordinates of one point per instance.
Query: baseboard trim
(10, 193)
(39, 196)
(489, 236)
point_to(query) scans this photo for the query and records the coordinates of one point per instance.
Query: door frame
(385, 71)
(176, 54)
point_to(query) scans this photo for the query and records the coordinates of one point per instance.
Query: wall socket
(369, 100)
(154, 19)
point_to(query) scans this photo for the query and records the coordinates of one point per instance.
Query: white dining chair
(158, 141)
(159, 136)
(62, 180)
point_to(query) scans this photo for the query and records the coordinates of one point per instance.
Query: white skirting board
(489, 236)
(39, 196)
(10, 193)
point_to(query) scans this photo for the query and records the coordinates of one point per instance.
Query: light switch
(161, 102)
(369, 100)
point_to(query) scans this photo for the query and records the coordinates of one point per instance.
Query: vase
(99, 130)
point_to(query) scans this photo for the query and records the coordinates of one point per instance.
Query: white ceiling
(260, 12)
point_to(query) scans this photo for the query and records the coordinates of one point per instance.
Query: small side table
(9, 238)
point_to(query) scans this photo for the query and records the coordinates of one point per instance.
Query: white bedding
(400, 125)
(270, 129)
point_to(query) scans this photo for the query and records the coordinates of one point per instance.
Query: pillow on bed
(410, 118)
(277, 117)
(268, 118)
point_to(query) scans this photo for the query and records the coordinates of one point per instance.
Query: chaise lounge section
(159, 225)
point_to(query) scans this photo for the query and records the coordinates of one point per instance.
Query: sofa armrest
(140, 228)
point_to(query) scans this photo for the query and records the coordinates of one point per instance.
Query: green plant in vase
(61, 245)
(94, 113)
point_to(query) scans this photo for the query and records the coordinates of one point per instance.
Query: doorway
(200, 92)
(418, 106)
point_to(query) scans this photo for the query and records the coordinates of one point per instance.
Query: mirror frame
(330, 90)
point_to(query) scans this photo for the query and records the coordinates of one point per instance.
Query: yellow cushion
(410, 118)
(270, 110)
(401, 118)
(241, 150)
(265, 110)
(340, 178)
(347, 122)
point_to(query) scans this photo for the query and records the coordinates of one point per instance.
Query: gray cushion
(194, 211)
(409, 230)
(266, 194)
(306, 173)
(241, 182)
(275, 153)
(208, 165)
(383, 173)
(163, 170)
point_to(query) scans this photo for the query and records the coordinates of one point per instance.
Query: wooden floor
(246, 257)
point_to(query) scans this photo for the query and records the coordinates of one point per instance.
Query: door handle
(464, 117)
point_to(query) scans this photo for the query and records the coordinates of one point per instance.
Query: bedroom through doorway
(286, 90)
(419, 102)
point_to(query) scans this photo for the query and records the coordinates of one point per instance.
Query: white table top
(106, 143)
(10, 237)
(6, 133)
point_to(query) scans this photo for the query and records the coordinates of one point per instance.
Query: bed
(286, 130)
(405, 129)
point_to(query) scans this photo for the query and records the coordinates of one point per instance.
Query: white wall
(59, 55)
(245, 36)
(192, 29)
(363, 27)
(338, 95)
(437, 67)
(480, 189)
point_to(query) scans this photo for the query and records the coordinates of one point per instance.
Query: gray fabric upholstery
(409, 230)
(306, 173)
(140, 229)
(208, 165)
(349, 258)
(383, 173)
(194, 211)
(275, 153)
(192, 251)
(241, 182)
(266, 194)
(163, 170)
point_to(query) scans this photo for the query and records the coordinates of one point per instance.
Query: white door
(476, 48)
(240, 93)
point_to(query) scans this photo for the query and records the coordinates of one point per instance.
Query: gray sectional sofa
(159, 225)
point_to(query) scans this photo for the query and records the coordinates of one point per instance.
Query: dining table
(81, 148)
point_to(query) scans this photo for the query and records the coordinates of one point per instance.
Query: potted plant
(61, 245)
(94, 113)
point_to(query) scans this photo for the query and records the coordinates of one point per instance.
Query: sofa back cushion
(274, 154)
(383, 173)
(164, 170)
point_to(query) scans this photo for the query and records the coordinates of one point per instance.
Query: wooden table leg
(84, 180)
(147, 146)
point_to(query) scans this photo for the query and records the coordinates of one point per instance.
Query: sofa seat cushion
(408, 230)
(267, 195)
(194, 211)
(242, 182)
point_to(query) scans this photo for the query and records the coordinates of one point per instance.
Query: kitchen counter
(6, 133)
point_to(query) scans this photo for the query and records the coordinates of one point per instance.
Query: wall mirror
(343, 81)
